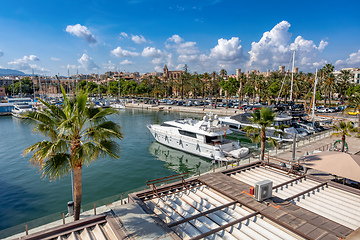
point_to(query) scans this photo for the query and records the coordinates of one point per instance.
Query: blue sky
(144, 35)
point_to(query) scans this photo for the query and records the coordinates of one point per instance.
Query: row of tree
(246, 86)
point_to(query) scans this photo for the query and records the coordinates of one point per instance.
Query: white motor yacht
(21, 109)
(199, 137)
(238, 122)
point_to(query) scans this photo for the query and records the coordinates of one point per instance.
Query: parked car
(352, 112)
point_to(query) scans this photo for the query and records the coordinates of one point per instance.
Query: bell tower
(166, 71)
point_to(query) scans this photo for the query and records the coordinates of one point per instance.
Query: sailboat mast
(33, 83)
(292, 77)
(314, 94)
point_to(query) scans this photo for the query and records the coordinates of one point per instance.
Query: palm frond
(56, 166)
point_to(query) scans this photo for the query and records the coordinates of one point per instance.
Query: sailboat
(118, 105)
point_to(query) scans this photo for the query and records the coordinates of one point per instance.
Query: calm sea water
(25, 195)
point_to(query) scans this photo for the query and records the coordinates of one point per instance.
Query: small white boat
(117, 105)
(21, 109)
(205, 138)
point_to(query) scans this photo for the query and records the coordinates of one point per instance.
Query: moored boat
(21, 109)
(204, 138)
(237, 123)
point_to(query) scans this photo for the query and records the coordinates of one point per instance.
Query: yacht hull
(213, 152)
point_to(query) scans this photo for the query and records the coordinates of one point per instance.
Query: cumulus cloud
(23, 63)
(187, 50)
(126, 62)
(353, 60)
(138, 39)
(275, 48)
(1, 53)
(55, 59)
(109, 65)
(82, 32)
(228, 50)
(322, 45)
(151, 52)
(119, 52)
(87, 62)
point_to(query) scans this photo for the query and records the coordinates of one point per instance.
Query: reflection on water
(179, 161)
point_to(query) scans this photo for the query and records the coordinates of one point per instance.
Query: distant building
(172, 74)
(354, 71)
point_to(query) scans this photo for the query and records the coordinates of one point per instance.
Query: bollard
(199, 173)
(63, 218)
(26, 230)
(94, 209)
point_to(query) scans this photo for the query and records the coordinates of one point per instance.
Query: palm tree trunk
(263, 139)
(343, 143)
(77, 192)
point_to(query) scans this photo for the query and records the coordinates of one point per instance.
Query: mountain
(7, 72)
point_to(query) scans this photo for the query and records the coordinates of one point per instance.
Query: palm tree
(355, 99)
(343, 129)
(263, 118)
(77, 135)
(343, 80)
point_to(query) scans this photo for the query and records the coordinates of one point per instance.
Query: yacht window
(166, 125)
(233, 126)
(186, 133)
(211, 139)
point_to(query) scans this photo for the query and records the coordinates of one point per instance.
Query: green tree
(343, 129)
(355, 100)
(263, 118)
(230, 86)
(343, 80)
(76, 135)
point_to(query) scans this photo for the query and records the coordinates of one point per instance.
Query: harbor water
(25, 195)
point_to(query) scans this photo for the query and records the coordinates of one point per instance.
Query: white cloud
(23, 63)
(352, 61)
(158, 68)
(82, 32)
(322, 45)
(187, 50)
(109, 65)
(39, 69)
(275, 49)
(87, 63)
(119, 52)
(72, 66)
(1, 53)
(138, 39)
(55, 59)
(176, 39)
(123, 34)
(151, 52)
(228, 50)
(126, 62)
(31, 58)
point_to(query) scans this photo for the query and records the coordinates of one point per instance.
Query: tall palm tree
(343, 79)
(263, 118)
(343, 129)
(77, 135)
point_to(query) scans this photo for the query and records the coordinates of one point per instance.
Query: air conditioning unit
(263, 190)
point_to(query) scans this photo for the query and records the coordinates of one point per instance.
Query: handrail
(168, 178)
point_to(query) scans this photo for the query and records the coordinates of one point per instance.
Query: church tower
(166, 71)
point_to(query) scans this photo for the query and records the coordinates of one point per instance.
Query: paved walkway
(323, 142)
